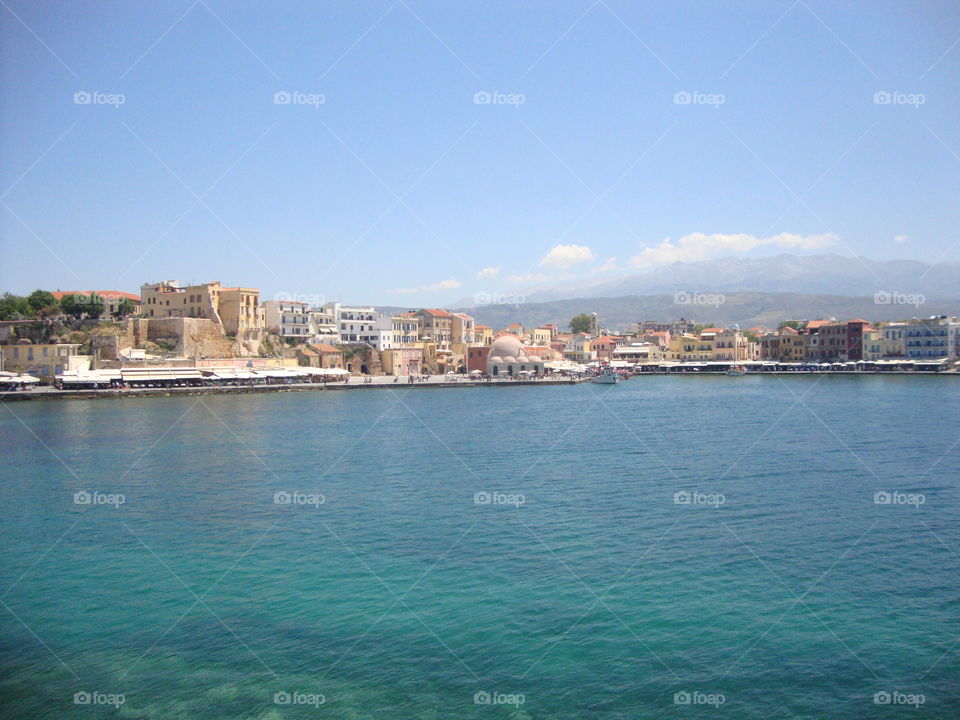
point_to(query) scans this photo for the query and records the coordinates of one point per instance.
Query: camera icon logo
(481, 697)
(882, 98)
(682, 298)
(882, 298)
(282, 697)
(681, 698)
(81, 698)
(482, 498)
(282, 498)
(682, 98)
(482, 98)
(882, 698)
(282, 98)
(882, 497)
(681, 498)
(82, 497)
(82, 98)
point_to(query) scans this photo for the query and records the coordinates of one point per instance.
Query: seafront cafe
(16, 381)
(173, 377)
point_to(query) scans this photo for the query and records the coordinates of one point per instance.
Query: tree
(795, 324)
(40, 299)
(581, 323)
(13, 306)
(125, 307)
(79, 305)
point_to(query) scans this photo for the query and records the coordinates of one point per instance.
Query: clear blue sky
(199, 175)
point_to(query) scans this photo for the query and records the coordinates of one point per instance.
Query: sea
(668, 547)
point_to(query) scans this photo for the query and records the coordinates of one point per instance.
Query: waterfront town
(175, 335)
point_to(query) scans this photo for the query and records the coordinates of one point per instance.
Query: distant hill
(745, 308)
(810, 275)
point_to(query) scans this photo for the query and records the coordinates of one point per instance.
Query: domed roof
(509, 359)
(506, 345)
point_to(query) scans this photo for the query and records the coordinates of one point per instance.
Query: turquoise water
(788, 592)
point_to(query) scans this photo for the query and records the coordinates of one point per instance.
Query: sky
(417, 153)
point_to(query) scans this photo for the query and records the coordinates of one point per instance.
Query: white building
(361, 324)
(932, 338)
(288, 318)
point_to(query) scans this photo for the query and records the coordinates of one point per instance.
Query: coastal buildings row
(211, 320)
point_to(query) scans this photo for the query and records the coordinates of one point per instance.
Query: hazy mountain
(813, 274)
(746, 308)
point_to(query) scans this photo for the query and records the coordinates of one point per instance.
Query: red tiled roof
(814, 324)
(482, 327)
(437, 313)
(59, 294)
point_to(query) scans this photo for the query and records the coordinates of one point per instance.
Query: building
(45, 360)
(235, 310)
(932, 338)
(406, 330)
(507, 357)
(892, 342)
(288, 318)
(483, 334)
(541, 336)
(579, 349)
(638, 353)
(730, 345)
(436, 326)
(604, 346)
(320, 355)
(402, 361)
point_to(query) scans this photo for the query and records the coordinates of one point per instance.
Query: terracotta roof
(858, 320)
(482, 327)
(307, 350)
(814, 324)
(59, 294)
(514, 325)
(607, 339)
(436, 313)
(711, 330)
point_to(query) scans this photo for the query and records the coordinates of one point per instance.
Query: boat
(736, 371)
(606, 378)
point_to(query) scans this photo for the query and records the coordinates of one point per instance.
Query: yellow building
(483, 334)
(541, 336)
(237, 310)
(690, 348)
(43, 360)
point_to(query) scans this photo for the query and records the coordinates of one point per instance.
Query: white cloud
(609, 266)
(450, 284)
(900, 239)
(489, 272)
(562, 256)
(700, 246)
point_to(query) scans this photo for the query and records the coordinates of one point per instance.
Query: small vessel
(607, 377)
(735, 371)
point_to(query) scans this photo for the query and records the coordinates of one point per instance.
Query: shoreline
(91, 394)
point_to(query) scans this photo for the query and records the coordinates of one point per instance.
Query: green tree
(13, 306)
(79, 305)
(795, 324)
(40, 299)
(581, 323)
(124, 308)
